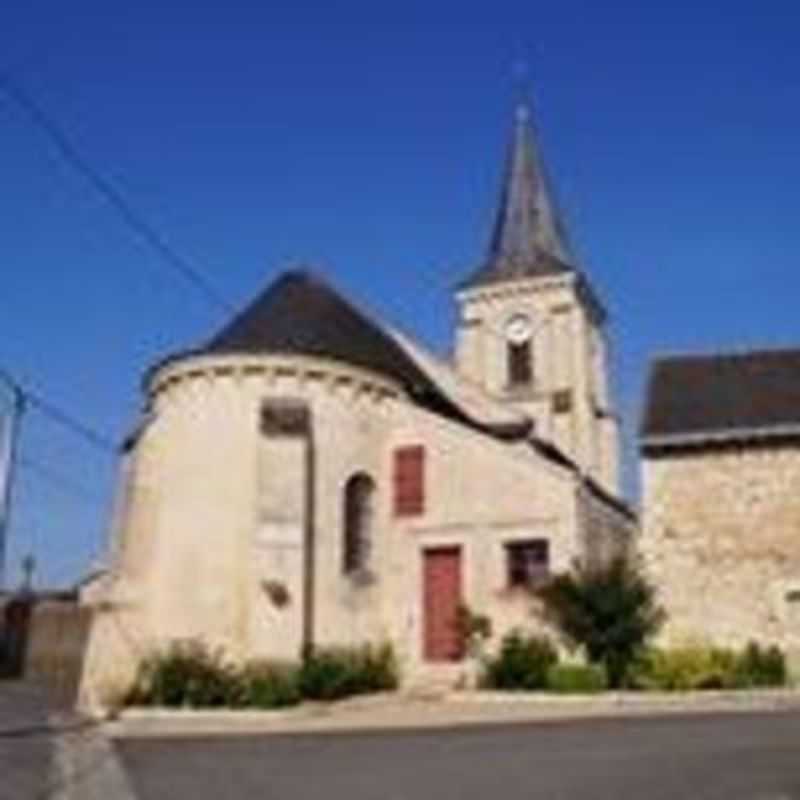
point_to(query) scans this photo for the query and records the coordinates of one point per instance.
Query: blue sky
(367, 140)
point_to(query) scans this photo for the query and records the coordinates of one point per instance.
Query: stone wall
(57, 646)
(482, 495)
(44, 639)
(721, 539)
(607, 531)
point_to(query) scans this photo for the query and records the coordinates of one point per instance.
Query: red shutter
(409, 481)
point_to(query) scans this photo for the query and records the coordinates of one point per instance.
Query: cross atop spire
(529, 238)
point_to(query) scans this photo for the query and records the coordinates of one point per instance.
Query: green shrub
(576, 678)
(187, 673)
(521, 664)
(687, 668)
(270, 684)
(762, 666)
(332, 673)
(610, 612)
(697, 667)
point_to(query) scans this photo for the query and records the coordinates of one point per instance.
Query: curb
(52, 727)
(454, 710)
(611, 700)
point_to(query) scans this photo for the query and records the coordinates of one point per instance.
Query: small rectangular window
(562, 401)
(527, 562)
(520, 364)
(409, 481)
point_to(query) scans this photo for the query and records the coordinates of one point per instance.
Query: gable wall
(721, 539)
(480, 494)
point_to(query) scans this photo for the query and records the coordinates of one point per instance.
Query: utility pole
(9, 440)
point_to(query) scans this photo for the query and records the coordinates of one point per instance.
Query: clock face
(518, 329)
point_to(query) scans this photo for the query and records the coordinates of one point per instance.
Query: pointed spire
(529, 238)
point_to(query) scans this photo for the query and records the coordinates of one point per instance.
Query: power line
(63, 418)
(60, 481)
(24, 399)
(132, 218)
(81, 429)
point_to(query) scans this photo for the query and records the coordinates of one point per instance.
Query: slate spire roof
(529, 237)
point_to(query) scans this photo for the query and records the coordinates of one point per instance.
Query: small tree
(611, 612)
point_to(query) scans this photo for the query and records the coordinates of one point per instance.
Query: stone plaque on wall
(272, 534)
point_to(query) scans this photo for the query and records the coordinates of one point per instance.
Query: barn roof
(702, 399)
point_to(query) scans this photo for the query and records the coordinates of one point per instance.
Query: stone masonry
(721, 540)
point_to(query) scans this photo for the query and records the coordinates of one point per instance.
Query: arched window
(359, 494)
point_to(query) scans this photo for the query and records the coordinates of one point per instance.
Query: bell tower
(531, 330)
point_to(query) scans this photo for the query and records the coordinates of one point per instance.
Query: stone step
(433, 680)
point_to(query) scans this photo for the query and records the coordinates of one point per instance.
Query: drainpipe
(309, 540)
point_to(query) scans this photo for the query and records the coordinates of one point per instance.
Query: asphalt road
(752, 757)
(26, 743)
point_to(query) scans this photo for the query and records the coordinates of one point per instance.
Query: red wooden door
(441, 597)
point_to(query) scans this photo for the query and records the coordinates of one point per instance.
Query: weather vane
(523, 82)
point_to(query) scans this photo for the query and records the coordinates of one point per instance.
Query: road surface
(725, 757)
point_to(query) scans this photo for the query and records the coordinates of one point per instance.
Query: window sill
(523, 590)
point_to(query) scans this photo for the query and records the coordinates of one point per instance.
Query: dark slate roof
(529, 238)
(498, 270)
(698, 399)
(552, 453)
(300, 314)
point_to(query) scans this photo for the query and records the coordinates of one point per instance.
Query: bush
(686, 668)
(762, 667)
(335, 672)
(271, 684)
(186, 674)
(698, 667)
(576, 678)
(610, 612)
(521, 664)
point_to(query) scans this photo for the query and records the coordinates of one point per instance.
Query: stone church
(309, 475)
